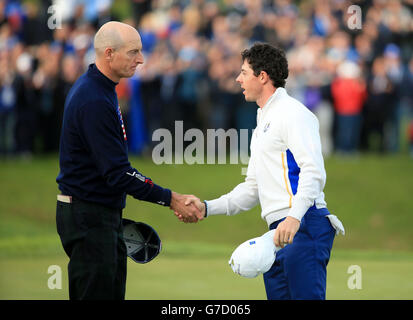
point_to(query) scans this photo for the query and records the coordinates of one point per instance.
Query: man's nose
(140, 59)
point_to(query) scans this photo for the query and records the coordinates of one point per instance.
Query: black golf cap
(142, 242)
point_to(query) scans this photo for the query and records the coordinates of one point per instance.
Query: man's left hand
(285, 232)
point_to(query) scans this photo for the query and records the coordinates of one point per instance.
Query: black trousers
(92, 237)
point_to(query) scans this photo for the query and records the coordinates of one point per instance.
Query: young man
(286, 176)
(95, 173)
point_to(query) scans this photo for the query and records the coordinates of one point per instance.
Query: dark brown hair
(272, 60)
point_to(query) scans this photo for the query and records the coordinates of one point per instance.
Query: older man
(95, 174)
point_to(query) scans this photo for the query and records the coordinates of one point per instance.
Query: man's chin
(128, 74)
(249, 99)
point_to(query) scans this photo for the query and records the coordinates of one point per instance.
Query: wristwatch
(206, 209)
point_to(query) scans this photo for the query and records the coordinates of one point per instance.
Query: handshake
(187, 208)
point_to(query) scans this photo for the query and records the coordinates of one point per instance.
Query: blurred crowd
(358, 82)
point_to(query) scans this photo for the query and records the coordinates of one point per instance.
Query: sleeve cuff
(206, 209)
(160, 196)
(299, 208)
(216, 207)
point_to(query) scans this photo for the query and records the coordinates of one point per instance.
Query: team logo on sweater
(121, 123)
(137, 175)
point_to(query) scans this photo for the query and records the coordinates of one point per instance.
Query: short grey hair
(107, 37)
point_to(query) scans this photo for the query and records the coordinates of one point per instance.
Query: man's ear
(109, 53)
(263, 77)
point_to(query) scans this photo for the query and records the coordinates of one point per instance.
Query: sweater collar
(95, 72)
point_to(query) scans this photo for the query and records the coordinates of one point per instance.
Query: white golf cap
(254, 256)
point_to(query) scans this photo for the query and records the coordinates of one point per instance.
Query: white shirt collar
(278, 93)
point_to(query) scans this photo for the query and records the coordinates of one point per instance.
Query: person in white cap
(286, 176)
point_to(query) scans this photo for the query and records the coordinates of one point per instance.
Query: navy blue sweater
(94, 163)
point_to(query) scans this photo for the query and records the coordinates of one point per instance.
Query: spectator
(44, 83)
(349, 93)
(410, 137)
(7, 106)
(140, 8)
(69, 72)
(395, 73)
(378, 107)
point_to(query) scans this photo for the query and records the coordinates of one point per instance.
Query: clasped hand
(187, 208)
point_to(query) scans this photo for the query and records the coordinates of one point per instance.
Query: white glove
(337, 225)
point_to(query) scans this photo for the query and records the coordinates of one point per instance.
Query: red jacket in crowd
(348, 95)
(410, 132)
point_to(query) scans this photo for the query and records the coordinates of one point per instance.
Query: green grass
(371, 196)
(199, 271)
